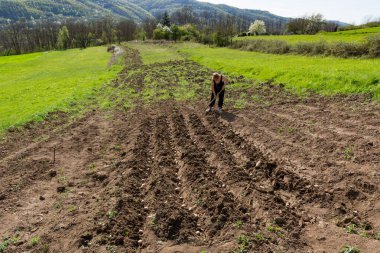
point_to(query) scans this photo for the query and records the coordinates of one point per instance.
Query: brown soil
(284, 174)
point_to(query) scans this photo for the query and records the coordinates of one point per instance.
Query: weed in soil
(349, 249)
(35, 241)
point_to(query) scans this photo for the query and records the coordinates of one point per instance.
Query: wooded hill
(136, 10)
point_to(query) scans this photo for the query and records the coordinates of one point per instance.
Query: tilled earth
(284, 174)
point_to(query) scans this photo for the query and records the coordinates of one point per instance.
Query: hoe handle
(214, 98)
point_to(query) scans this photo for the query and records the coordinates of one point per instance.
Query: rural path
(282, 175)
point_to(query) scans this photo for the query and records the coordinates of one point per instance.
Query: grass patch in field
(358, 35)
(142, 85)
(325, 75)
(152, 53)
(32, 85)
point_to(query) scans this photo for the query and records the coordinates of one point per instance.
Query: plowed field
(283, 174)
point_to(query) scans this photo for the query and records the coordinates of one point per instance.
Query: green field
(325, 75)
(358, 35)
(32, 85)
(153, 53)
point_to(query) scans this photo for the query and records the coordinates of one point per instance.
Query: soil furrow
(255, 203)
(121, 225)
(216, 206)
(169, 219)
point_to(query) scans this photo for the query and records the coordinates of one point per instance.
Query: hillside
(134, 9)
(16, 9)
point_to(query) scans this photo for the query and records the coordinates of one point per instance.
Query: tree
(258, 27)
(166, 20)
(297, 26)
(63, 40)
(149, 25)
(306, 25)
(158, 34)
(185, 15)
(176, 33)
(315, 24)
(126, 30)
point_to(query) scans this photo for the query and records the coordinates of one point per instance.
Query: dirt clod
(52, 173)
(61, 189)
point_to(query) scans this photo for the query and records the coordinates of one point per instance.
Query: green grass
(325, 75)
(32, 85)
(358, 35)
(151, 53)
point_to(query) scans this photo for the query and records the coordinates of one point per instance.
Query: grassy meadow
(154, 53)
(34, 84)
(325, 75)
(358, 35)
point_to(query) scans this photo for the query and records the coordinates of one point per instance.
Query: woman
(218, 84)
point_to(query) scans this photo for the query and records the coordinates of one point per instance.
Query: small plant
(111, 249)
(111, 214)
(117, 147)
(243, 242)
(92, 167)
(4, 245)
(35, 240)
(256, 98)
(276, 230)
(351, 229)
(377, 235)
(239, 224)
(72, 209)
(348, 153)
(349, 249)
(364, 234)
(240, 103)
(273, 228)
(290, 130)
(45, 248)
(57, 205)
(260, 237)
(203, 251)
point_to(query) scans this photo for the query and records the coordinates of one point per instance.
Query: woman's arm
(212, 87)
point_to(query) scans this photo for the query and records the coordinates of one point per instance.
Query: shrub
(264, 46)
(339, 49)
(374, 46)
(303, 48)
(345, 50)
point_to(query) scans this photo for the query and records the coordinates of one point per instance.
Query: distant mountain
(132, 9)
(58, 9)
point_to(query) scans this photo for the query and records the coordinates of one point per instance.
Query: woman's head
(215, 76)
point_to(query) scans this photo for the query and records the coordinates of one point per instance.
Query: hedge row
(368, 49)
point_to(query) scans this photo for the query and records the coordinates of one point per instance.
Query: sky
(349, 11)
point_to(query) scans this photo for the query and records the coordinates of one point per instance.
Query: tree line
(24, 36)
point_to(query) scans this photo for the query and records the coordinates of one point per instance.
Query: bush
(345, 50)
(278, 47)
(205, 39)
(220, 40)
(374, 46)
(321, 47)
(264, 46)
(303, 48)
(340, 49)
(311, 48)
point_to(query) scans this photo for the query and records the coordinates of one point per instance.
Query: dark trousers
(221, 96)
